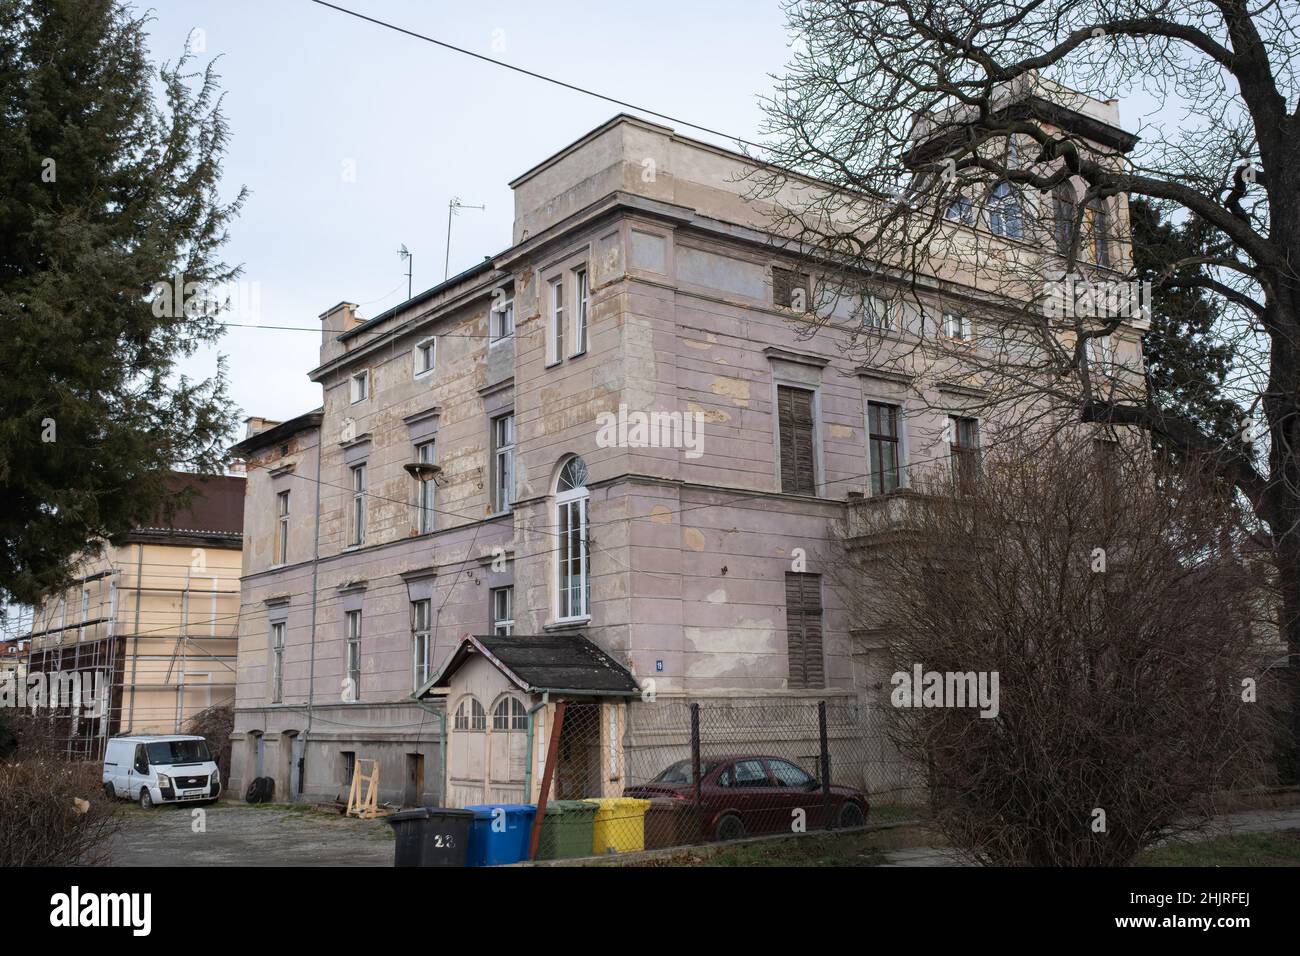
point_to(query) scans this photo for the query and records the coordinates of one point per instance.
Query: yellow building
(153, 620)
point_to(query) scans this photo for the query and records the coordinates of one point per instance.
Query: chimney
(255, 425)
(341, 318)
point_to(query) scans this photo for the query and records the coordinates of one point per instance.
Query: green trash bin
(566, 830)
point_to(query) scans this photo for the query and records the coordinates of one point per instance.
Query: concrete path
(1243, 821)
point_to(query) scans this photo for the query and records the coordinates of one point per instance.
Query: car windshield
(680, 772)
(178, 751)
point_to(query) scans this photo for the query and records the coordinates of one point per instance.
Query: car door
(755, 796)
(797, 790)
(138, 775)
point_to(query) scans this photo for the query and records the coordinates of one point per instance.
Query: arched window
(961, 210)
(573, 563)
(1005, 218)
(470, 715)
(509, 714)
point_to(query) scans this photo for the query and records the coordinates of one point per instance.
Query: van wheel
(146, 801)
(109, 791)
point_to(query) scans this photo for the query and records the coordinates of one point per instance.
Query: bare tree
(1120, 622)
(965, 176)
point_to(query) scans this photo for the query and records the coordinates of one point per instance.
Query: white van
(161, 769)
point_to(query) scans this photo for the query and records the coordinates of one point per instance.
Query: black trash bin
(430, 836)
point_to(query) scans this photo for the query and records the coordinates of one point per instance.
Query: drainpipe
(528, 747)
(441, 714)
(315, 570)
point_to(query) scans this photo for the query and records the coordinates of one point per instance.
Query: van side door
(139, 772)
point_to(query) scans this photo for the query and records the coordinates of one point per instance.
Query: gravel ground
(237, 834)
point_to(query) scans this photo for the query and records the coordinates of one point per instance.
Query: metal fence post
(826, 765)
(695, 752)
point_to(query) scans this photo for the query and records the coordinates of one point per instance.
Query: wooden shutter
(803, 610)
(795, 426)
(784, 282)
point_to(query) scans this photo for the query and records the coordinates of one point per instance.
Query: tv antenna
(452, 207)
(409, 258)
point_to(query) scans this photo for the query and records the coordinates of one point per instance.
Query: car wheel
(850, 815)
(146, 800)
(729, 828)
(109, 791)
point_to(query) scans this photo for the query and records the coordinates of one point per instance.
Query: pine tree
(107, 192)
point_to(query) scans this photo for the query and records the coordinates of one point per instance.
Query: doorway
(414, 780)
(577, 765)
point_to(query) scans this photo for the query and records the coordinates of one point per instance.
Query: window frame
(357, 521)
(282, 504)
(466, 717)
(959, 451)
(361, 393)
(431, 343)
(425, 512)
(499, 329)
(964, 326)
(555, 320)
(352, 630)
(421, 642)
(497, 621)
(277, 642)
(805, 681)
(581, 308)
(567, 504)
(515, 717)
(898, 439)
(503, 464)
(815, 457)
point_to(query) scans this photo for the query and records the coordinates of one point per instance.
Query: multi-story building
(152, 619)
(602, 456)
(13, 660)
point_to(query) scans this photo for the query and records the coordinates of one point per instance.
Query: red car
(747, 794)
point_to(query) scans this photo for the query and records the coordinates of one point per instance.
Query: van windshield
(178, 751)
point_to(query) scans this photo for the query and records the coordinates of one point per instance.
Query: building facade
(611, 430)
(152, 620)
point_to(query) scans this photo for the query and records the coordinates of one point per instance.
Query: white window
(277, 662)
(424, 490)
(470, 715)
(503, 462)
(426, 355)
(580, 310)
(877, 313)
(509, 714)
(503, 617)
(282, 528)
(502, 321)
(358, 504)
(360, 386)
(1101, 353)
(420, 649)
(960, 210)
(573, 563)
(956, 326)
(555, 331)
(353, 631)
(1005, 218)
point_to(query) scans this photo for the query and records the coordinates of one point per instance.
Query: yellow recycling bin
(620, 824)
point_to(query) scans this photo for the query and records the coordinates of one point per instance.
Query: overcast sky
(309, 90)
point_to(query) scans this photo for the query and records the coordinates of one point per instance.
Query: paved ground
(237, 834)
(1244, 821)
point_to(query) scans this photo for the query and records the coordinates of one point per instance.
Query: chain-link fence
(673, 772)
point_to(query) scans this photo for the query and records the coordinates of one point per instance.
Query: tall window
(426, 355)
(282, 528)
(1099, 218)
(420, 646)
(1101, 353)
(883, 441)
(964, 446)
(573, 562)
(352, 623)
(424, 490)
(555, 335)
(1004, 212)
(503, 615)
(502, 321)
(277, 662)
(360, 385)
(1064, 210)
(803, 614)
(876, 313)
(358, 504)
(795, 428)
(503, 462)
(956, 326)
(580, 308)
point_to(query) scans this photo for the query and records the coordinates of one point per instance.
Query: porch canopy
(566, 665)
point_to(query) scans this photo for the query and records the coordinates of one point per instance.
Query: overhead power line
(537, 76)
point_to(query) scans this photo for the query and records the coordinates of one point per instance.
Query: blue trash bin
(507, 842)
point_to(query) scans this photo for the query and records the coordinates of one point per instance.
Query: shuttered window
(795, 424)
(803, 616)
(789, 289)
